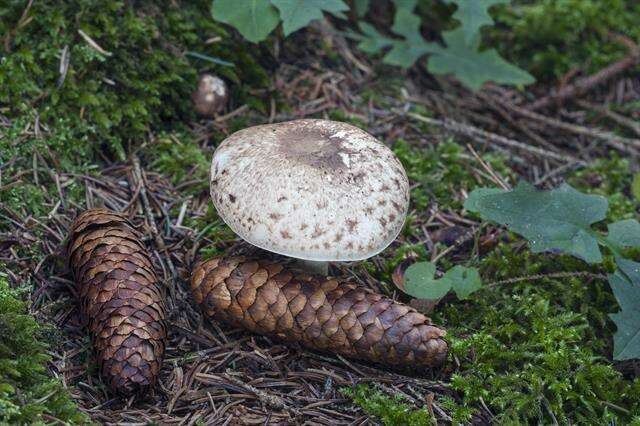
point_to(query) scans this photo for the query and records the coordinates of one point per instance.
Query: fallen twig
(634, 125)
(500, 109)
(137, 173)
(618, 142)
(585, 84)
(536, 277)
(91, 42)
(482, 136)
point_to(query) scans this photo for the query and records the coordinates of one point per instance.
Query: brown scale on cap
(121, 301)
(267, 297)
(316, 147)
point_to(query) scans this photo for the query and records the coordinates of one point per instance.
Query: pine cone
(268, 297)
(121, 301)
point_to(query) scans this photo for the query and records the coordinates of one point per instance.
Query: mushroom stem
(314, 267)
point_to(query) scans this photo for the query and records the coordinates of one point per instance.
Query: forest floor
(534, 345)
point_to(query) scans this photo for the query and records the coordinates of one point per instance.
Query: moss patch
(138, 80)
(548, 38)
(536, 350)
(612, 178)
(389, 410)
(442, 171)
(26, 391)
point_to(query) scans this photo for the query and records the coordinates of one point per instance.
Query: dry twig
(482, 136)
(585, 84)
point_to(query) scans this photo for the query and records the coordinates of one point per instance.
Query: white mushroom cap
(311, 189)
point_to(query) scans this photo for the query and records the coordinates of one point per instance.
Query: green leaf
(460, 57)
(296, 14)
(407, 24)
(554, 220)
(419, 281)
(625, 284)
(474, 198)
(625, 233)
(254, 19)
(406, 53)
(635, 186)
(464, 281)
(474, 14)
(473, 67)
(361, 7)
(371, 41)
(405, 4)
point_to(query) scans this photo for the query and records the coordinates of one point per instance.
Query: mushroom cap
(210, 96)
(310, 189)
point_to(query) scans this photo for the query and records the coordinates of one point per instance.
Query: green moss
(533, 351)
(390, 410)
(178, 157)
(23, 154)
(612, 178)
(140, 82)
(26, 391)
(551, 37)
(212, 228)
(442, 172)
(537, 350)
(460, 414)
(341, 115)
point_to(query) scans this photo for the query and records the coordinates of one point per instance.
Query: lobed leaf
(464, 281)
(254, 19)
(296, 14)
(371, 41)
(419, 282)
(471, 66)
(460, 56)
(625, 284)
(555, 220)
(624, 233)
(474, 14)
(404, 52)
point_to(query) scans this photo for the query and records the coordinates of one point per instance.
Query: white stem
(314, 267)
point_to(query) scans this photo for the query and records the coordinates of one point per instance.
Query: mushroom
(211, 95)
(315, 190)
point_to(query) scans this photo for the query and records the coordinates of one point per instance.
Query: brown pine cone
(121, 301)
(268, 297)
